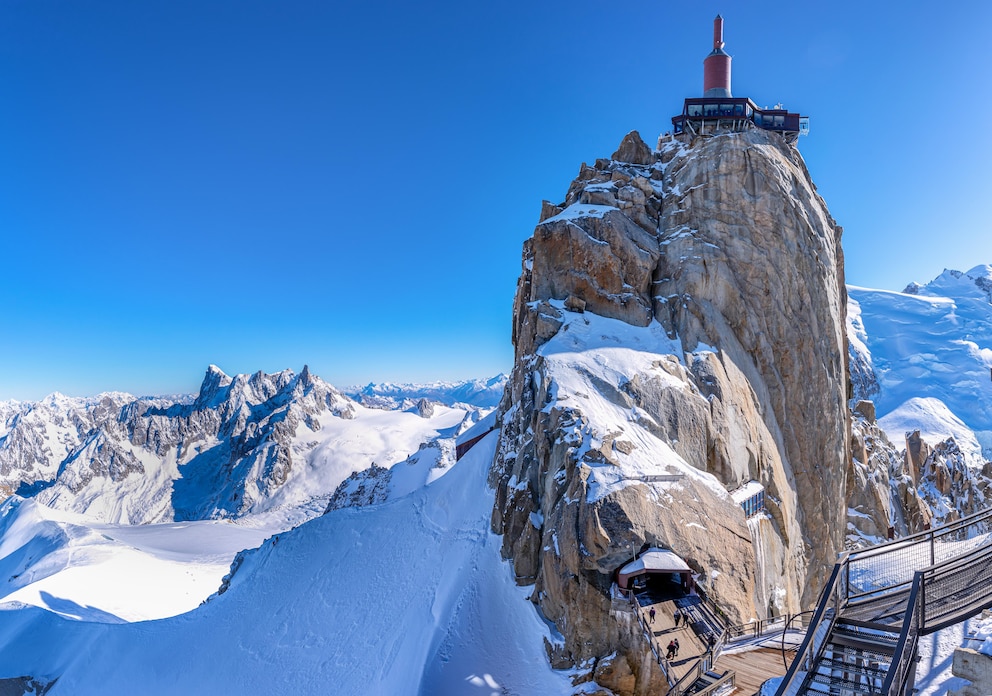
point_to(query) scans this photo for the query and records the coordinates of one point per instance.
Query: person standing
(676, 641)
(651, 614)
(671, 650)
(678, 617)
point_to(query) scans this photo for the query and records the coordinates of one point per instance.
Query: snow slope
(108, 573)
(592, 351)
(407, 597)
(931, 352)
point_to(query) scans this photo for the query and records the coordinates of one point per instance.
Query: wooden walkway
(753, 668)
(691, 646)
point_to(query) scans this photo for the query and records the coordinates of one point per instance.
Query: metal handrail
(785, 630)
(905, 650)
(935, 575)
(915, 621)
(762, 627)
(695, 672)
(814, 625)
(730, 677)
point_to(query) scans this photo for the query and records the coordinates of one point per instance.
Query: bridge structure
(878, 602)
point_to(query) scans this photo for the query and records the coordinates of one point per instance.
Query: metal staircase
(878, 602)
(855, 661)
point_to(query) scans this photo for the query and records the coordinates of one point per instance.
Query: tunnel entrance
(656, 575)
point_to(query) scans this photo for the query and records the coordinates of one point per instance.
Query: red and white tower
(716, 66)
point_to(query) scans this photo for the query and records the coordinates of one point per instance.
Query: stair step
(851, 653)
(856, 685)
(871, 669)
(877, 643)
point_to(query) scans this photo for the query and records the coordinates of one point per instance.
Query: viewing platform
(718, 111)
(711, 115)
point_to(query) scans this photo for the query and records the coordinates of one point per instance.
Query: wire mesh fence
(953, 592)
(890, 565)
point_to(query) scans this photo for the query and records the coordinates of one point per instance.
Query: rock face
(753, 265)
(725, 267)
(882, 493)
(903, 491)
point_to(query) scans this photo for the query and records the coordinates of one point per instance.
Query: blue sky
(262, 185)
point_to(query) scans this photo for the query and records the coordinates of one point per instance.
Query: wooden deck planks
(753, 668)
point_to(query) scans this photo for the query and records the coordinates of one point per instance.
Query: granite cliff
(679, 330)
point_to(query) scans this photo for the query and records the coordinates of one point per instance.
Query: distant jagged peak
(238, 397)
(214, 380)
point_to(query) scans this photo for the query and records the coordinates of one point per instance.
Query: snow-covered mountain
(924, 356)
(477, 392)
(922, 404)
(35, 437)
(371, 563)
(264, 443)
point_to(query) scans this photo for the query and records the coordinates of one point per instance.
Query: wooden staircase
(710, 682)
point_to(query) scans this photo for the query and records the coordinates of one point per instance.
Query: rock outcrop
(893, 492)
(882, 495)
(725, 267)
(976, 668)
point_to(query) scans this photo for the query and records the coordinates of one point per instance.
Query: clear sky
(264, 185)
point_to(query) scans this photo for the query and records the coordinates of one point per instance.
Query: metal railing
(956, 590)
(687, 680)
(763, 627)
(941, 596)
(823, 617)
(892, 564)
(903, 659)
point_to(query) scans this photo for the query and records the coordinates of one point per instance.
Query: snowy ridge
(107, 573)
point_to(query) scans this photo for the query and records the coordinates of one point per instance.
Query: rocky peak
(724, 263)
(213, 388)
(634, 150)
